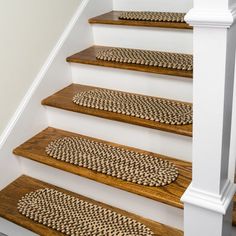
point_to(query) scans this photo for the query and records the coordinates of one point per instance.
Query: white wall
(28, 31)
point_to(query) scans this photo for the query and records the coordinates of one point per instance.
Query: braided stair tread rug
(140, 106)
(76, 217)
(113, 161)
(153, 16)
(169, 60)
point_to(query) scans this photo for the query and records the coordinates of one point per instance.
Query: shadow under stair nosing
(63, 100)
(10, 196)
(112, 18)
(88, 56)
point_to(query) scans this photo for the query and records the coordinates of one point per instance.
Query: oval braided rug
(113, 161)
(140, 106)
(152, 16)
(76, 217)
(169, 60)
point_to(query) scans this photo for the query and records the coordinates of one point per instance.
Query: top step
(112, 18)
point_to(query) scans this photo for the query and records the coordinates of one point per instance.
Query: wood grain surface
(10, 196)
(63, 100)
(88, 56)
(112, 18)
(34, 149)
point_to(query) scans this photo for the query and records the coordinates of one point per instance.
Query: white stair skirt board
(153, 5)
(170, 87)
(115, 197)
(30, 117)
(152, 140)
(159, 39)
(10, 229)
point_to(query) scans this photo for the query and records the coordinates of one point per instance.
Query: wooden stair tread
(34, 149)
(88, 56)
(112, 18)
(23, 185)
(63, 100)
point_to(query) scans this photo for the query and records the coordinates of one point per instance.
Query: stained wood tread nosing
(63, 100)
(10, 196)
(88, 56)
(34, 149)
(112, 18)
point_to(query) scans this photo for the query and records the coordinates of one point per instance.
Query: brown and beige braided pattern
(140, 106)
(169, 60)
(113, 161)
(153, 16)
(76, 217)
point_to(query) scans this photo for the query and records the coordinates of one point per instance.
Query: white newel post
(208, 200)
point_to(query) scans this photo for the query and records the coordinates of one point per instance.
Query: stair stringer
(31, 117)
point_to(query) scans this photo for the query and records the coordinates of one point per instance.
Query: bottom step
(10, 196)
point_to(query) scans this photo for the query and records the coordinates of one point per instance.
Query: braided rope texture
(76, 217)
(140, 106)
(113, 161)
(169, 60)
(153, 16)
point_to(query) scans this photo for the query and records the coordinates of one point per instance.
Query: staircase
(157, 207)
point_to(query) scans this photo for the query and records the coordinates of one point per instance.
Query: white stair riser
(177, 88)
(160, 39)
(11, 229)
(165, 143)
(124, 200)
(153, 5)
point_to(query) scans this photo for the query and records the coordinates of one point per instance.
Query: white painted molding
(41, 74)
(209, 201)
(31, 117)
(232, 155)
(211, 17)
